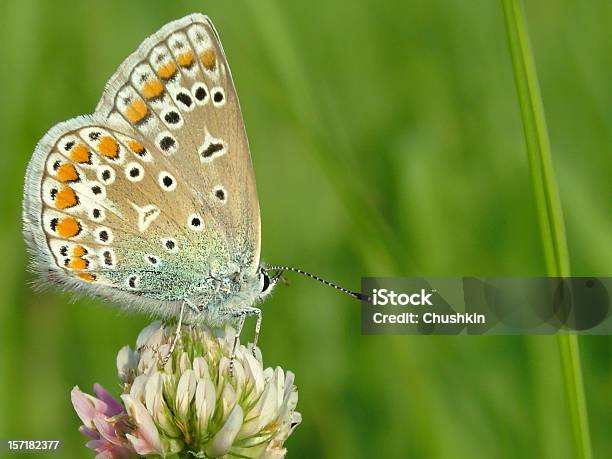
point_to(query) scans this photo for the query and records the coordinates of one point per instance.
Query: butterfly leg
(239, 326)
(240, 315)
(194, 307)
(177, 334)
(257, 312)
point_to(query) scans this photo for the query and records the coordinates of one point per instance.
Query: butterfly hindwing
(155, 191)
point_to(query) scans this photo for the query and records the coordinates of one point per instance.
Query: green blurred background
(386, 139)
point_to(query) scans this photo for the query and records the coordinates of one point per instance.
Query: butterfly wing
(155, 191)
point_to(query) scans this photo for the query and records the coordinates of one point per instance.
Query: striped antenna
(356, 295)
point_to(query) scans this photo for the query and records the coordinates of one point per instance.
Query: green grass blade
(570, 362)
(548, 204)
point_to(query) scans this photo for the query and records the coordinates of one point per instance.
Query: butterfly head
(267, 282)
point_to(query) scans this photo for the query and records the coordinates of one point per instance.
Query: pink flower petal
(107, 450)
(91, 433)
(106, 429)
(99, 405)
(105, 455)
(122, 452)
(139, 445)
(147, 440)
(113, 406)
(97, 445)
(83, 406)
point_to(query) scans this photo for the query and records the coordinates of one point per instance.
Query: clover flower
(193, 405)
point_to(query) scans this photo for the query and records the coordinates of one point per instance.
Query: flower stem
(548, 204)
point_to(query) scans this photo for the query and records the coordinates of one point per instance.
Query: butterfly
(151, 202)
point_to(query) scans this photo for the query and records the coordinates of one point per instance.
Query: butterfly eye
(265, 282)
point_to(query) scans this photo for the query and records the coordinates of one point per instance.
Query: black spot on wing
(184, 99)
(166, 143)
(212, 149)
(200, 93)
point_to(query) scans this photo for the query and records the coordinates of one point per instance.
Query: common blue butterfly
(150, 201)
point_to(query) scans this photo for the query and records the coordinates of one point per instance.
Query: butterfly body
(151, 201)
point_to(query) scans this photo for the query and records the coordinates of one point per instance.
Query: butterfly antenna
(356, 295)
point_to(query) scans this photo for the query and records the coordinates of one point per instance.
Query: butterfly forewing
(154, 192)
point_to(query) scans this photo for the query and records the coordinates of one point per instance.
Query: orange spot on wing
(87, 277)
(109, 147)
(79, 251)
(78, 264)
(68, 227)
(66, 198)
(136, 147)
(167, 71)
(152, 89)
(185, 59)
(80, 154)
(136, 111)
(209, 59)
(67, 173)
